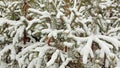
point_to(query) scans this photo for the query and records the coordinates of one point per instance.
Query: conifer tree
(59, 33)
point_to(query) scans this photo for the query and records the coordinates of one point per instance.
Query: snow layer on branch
(53, 58)
(6, 49)
(68, 44)
(30, 48)
(36, 62)
(46, 30)
(52, 32)
(112, 40)
(2, 3)
(42, 50)
(21, 56)
(77, 13)
(78, 39)
(10, 22)
(116, 22)
(3, 64)
(44, 14)
(106, 4)
(67, 22)
(32, 63)
(104, 48)
(79, 30)
(50, 0)
(62, 56)
(83, 21)
(30, 23)
(2, 38)
(19, 34)
(113, 30)
(86, 50)
(59, 14)
(65, 62)
(118, 63)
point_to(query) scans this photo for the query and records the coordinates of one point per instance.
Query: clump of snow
(68, 44)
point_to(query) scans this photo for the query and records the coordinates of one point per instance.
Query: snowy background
(60, 34)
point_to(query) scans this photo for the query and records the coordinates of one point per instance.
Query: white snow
(85, 25)
(7, 48)
(78, 39)
(53, 58)
(62, 56)
(44, 14)
(86, 50)
(112, 30)
(52, 32)
(114, 41)
(104, 48)
(30, 23)
(2, 38)
(59, 14)
(68, 44)
(10, 22)
(3, 65)
(65, 63)
(46, 30)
